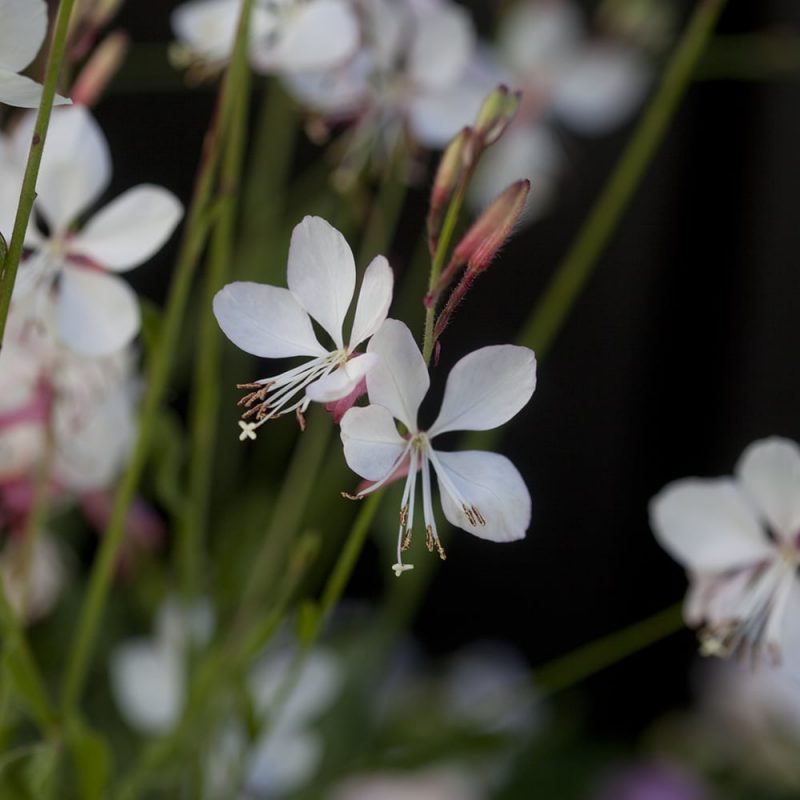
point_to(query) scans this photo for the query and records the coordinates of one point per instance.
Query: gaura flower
(481, 493)
(285, 35)
(739, 538)
(97, 312)
(271, 322)
(22, 31)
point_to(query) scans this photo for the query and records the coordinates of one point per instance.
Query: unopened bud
(87, 21)
(488, 233)
(100, 69)
(495, 116)
(448, 174)
(479, 246)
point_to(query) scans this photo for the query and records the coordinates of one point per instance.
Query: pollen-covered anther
(478, 516)
(406, 541)
(349, 496)
(441, 551)
(260, 394)
(429, 540)
(301, 420)
(404, 515)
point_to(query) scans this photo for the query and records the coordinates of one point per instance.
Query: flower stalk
(191, 249)
(55, 60)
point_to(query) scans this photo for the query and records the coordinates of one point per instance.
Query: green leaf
(22, 680)
(91, 758)
(29, 773)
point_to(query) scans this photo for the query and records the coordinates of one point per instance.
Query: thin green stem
(290, 507)
(442, 247)
(22, 670)
(550, 314)
(55, 59)
(570, 669)
(191, 249)
(205, 408)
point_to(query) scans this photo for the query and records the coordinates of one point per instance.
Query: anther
(406, 540)
(470, 515)
(403, 516)
(441, 551)
(351, 496)
(429, 538)
(478, 516)
(301, 420)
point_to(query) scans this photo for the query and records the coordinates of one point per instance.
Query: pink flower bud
(448, 175)
(100, 69)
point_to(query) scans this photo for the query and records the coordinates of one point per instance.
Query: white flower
(482, 493)
(97, 312)
(414, 71)
(589, 85)
(23, 25)
(272, 322)
(285, 35)
(288, 751)
(148, 676)
(738, 538)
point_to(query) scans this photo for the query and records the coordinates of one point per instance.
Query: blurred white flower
(148, 676)
(285, 35)
(288, 751)
(272, 322)
(97, 312)
(23, 28)
(413, 73)
(738, 538)
(34, 577)
(435, 783)
(482, 493)
(591, 85)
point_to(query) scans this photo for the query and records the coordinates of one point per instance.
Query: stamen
(474, 517)
(348, 496)
(301, 420)
(406, 540)
(429, 538)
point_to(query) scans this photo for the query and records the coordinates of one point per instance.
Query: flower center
(752, 630)
(273, 397)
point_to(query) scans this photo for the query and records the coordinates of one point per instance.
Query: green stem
(442, 247)
(28, 192)
(206, 395)
(574, 667)
(22, 669)
(193, 242)
(290, 506)
(550, 314)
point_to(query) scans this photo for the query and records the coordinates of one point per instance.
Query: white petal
(371, 442)
(281, 762)
(265, 320)
(322, 273)
(486, 388)
(526, 152)
(770, 472)
(436, 117)
(317, 36)
(98, 313)
(335, 93)
(208, 27)
(23, 28)
(342, 381)
(22, 92)
(76, 165)
(537, 38)
(707, 525)
(374, 300)
(442, 47)
(399, 381)
(148, 685)
(491, 484)
(21, 446)
(600, 89)
(130, 229)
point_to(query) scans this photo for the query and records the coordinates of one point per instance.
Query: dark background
(681, 352)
